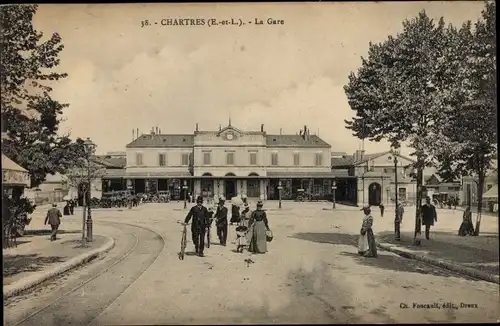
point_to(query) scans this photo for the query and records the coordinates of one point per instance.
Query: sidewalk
(474, 256)
(37, 259)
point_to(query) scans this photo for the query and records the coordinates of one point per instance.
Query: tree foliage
(398, 90)
(31, 117)
(467, 134)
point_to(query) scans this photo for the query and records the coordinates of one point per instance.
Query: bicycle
(183, 240)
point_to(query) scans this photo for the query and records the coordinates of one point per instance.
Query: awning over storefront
(491, 194)
(115, 174)
(121, 173)
(157, 175)
(13, 174)
(307, 175)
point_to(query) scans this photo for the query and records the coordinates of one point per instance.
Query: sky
(122, 76)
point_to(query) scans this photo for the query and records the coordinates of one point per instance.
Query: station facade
(230, 162)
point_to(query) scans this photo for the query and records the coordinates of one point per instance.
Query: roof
(342, 161)
(8, 164)
(492, 193)
(162, 141)
(295, 141)
(111, 161)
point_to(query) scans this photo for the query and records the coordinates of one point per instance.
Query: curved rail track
(84, 301)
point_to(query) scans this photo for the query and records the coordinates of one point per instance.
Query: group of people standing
(366, 244)
(202, 219)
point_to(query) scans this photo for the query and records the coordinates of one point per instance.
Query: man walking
(398, 220)
(199, 213)
(54, 218)
(429, 216)
(382, 208)
(221, 222)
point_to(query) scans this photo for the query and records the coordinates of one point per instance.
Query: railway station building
(231, 162)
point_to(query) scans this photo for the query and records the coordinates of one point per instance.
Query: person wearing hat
(221, 222)
(259, 227)
(366, 244)
(200, 216)
(54, 219)
(429, 216)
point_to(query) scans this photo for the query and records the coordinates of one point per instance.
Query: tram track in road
(84, 300)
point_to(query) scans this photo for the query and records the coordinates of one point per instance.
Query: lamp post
(397, 221)
(185, 187)
(334, 189)
(84, 243)
(89, 150)
(279, 192)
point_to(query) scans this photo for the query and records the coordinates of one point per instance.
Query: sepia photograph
(249, 163)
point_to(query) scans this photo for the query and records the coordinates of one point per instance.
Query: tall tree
(31, 117)
(397, 92)
(467, 134)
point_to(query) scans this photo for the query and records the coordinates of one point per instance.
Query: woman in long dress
(259, 225)
(366, 244)
(466, 228)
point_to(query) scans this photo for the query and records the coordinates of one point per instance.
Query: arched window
(253, 174)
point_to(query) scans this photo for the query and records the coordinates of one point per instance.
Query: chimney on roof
(133, 134)
(159, 130)
(305, 132)
(156, 129)
(262, 128)
(281, 131)
(359, 155)
(220, 128)
(197, 126)
(137, 133)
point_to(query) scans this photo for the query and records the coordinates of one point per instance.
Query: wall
(150, 159)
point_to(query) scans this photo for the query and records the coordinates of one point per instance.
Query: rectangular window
(185, 159)
(253, 158)
(296, 159)
(319, 159)
(274, 159)
(206, 158)
(230, 158)
(138, 159)
(162, 159)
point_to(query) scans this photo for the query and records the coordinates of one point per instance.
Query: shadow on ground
(48, 232)
(331, 238)
(384, 260)
(15, 264)
(399, 264)
(482, 256)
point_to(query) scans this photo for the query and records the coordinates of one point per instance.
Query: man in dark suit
(200, 215)
(429, 216)
(221, 222)
(54, 218)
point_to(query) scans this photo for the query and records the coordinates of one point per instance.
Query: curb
(441, 263)
(35, 279)
(48, 232)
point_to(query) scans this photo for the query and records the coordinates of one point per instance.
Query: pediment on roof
(230, 133)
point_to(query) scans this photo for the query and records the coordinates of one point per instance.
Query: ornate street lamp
(397, 222)
(89, 147)
(279, 192)
(185, 187)
(334, 189)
